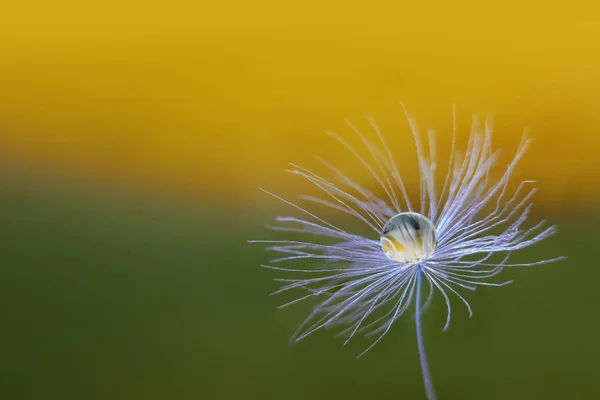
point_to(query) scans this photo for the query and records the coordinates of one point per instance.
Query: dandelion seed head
(445, 237)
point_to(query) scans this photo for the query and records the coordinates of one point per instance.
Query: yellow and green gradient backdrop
(134, 136)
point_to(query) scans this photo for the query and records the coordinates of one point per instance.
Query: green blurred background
(134, 136)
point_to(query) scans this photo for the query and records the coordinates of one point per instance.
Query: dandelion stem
(420, 345)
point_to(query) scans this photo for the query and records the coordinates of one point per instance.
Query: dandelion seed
(368, 284)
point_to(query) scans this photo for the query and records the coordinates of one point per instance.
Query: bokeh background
(134, 136)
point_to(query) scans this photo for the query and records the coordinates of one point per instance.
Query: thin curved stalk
(420, 345)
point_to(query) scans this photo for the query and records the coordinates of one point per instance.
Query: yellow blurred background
(215, 98)
(134, 136)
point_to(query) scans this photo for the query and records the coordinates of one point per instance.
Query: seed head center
(408, 238)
